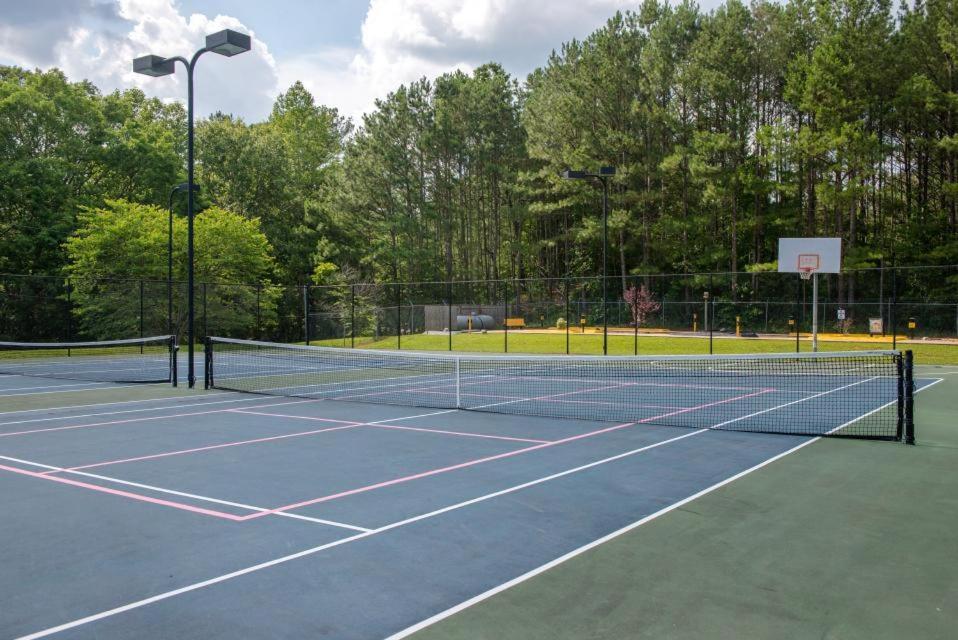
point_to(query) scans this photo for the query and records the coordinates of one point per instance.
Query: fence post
(141, 313)
(894, 304)
(635, 329)
(449, 319)
(306, 313)
(398, 316)
(568, 319)
(710, 313)
(505, 327)
(69, 337)
(259, 331)
(206, 324)
(352, 316)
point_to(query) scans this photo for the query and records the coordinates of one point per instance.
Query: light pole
(183, 186)
(604, 175)
(226, 43)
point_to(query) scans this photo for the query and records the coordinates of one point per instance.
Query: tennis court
(350, 494)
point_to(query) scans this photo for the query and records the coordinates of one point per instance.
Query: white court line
(53, 386)
(330, 545)
(107, 423)
(110, 404)
(125, 411)
(182, 494)
(429, 621)
(615, 534)
(107, 388)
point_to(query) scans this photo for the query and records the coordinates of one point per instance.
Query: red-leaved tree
(641, 303)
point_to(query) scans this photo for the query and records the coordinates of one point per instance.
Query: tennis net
(135, 360)
(862, 394)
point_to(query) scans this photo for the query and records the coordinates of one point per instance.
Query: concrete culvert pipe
(475, 323)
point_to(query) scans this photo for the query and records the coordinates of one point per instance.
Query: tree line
(729, 130)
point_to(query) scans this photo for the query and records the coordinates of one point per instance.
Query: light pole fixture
(226, 43)
(604, 175)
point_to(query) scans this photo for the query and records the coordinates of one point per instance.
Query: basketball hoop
(808, 264)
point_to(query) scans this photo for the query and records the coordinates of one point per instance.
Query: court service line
(141, 419)
(53, 386)
(182, 494)
(336, 543)
(110, 387)
(143, 410)
(499, 456)
(110, 404)
(615, 534)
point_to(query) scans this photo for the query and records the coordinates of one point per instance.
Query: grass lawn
(591, 344)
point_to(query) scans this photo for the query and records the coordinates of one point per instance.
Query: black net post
(449, 298)
(174, 355)
(207, 361)
(909, 397)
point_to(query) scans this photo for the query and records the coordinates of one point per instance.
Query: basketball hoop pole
(815, 311)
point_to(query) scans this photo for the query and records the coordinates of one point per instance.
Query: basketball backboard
(809, 255)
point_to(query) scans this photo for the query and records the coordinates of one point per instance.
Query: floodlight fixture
(154, 66)
(228, 43)
(605, 173)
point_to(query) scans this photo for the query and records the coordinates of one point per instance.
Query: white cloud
(98, 39)
(404, 40)
(401, 41)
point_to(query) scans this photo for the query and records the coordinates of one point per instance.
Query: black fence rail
(919, 303)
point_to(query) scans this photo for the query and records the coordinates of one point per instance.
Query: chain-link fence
(655, 313)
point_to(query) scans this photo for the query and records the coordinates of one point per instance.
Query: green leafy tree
(122, 244)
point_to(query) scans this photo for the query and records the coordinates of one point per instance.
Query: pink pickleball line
(381, 425)
(345, 424)
(124, 494)
(500, 456)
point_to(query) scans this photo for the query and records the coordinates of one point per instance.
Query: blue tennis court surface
(223, 514)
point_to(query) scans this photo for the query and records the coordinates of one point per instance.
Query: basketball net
(808, 264)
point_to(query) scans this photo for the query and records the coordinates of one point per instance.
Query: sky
(346, 52)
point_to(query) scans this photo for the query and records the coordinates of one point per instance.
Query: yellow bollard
(738, 326)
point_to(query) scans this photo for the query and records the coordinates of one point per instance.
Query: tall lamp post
(604, 175)
(183, 186)
(226, 43)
